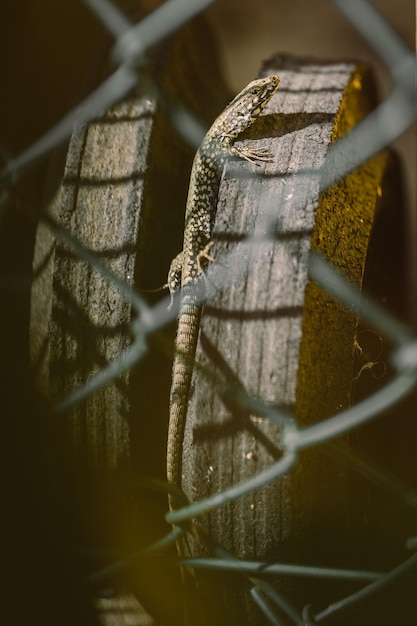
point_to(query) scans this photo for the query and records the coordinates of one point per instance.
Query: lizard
(186, 269)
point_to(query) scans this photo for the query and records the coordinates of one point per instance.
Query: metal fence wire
(395, 115)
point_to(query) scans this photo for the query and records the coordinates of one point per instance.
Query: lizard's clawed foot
(253, 155)
(204, 254)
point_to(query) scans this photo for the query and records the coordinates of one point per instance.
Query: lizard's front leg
(253, 155)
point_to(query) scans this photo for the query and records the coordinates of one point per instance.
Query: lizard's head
(248, 104)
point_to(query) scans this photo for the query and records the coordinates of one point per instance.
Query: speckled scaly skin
(185, 270)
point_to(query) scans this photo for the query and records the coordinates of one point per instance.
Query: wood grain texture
(266, 330)
(121, 191)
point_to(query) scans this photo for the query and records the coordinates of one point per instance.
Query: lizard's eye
(255, 91)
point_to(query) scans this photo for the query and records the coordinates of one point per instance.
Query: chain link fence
(379, 129)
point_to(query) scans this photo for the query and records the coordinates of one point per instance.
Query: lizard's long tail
(185, 347)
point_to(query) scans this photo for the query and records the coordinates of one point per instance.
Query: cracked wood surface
(269, 332)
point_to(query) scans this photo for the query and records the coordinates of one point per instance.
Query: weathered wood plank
(121, 190)
(122, 195)
(268, 331)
